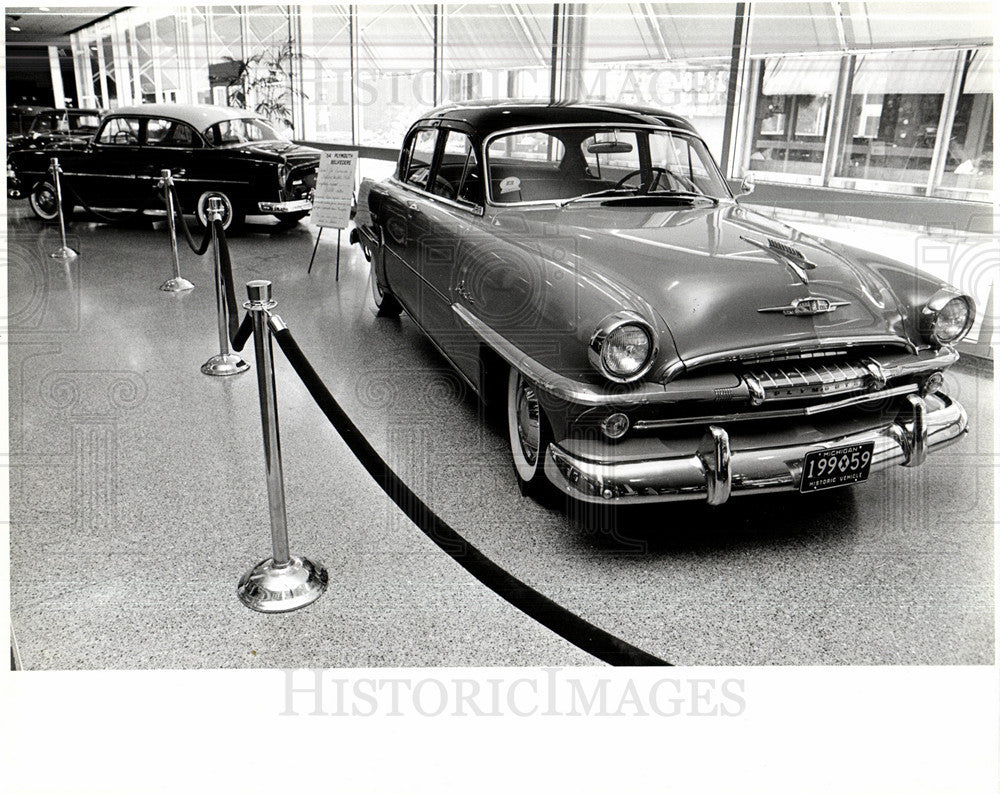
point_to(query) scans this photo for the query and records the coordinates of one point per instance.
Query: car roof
(489, 117)
(201, 117)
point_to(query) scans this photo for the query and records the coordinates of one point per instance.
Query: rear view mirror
(609, 147)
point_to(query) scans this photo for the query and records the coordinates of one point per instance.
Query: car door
(112, 172)
(447, 228)
(173, 145)
(402, 222)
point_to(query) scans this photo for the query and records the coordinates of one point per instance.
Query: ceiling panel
(49, 24)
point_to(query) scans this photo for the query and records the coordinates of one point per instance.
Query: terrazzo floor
(137, 499)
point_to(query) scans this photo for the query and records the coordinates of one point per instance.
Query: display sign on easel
(334, 196)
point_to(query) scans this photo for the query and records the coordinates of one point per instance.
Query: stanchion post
(282, 582)
(64, 252)
(177, 283)
(223, 363)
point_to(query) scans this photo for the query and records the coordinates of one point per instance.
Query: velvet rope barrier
(567, 625)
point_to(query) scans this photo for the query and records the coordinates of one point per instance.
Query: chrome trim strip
(806, 345)
(808, 410)
(419, 276)
(559, 386)
(753, 471)
(644, 392)
(476, 210)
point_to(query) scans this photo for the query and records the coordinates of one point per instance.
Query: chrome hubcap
(528, 429)
(45, 199)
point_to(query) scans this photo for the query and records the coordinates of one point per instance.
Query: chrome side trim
(474, 209)
(788, 413)
(766, 469)
(650, 393)
(559, 386)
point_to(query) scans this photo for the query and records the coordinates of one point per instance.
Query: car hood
(708, 269)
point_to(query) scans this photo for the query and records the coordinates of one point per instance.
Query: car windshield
(236, 132)
(563, 164)
(66, 122)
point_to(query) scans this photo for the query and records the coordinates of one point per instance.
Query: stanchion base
(64, 253)
(270, 588)
(178, 284)
(224, 364)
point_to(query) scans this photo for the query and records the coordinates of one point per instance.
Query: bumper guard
(272, 207)
(716, 471)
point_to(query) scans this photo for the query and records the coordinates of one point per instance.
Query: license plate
(832, 468)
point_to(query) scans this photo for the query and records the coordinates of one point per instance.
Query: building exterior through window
(879, 96)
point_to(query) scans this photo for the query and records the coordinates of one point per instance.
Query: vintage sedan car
(211, 151)
(73, 127)
(19, 118)
(587, 269)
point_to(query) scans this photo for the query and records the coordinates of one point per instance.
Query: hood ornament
(793, 258)
(807, 307)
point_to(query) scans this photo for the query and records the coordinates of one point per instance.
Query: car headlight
(947, 317)
(623, 347)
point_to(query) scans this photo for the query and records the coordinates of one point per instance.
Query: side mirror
(747, 185)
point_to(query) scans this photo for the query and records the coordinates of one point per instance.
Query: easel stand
(316, 246)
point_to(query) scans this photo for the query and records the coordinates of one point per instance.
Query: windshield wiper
(607, 192)
(672, 194)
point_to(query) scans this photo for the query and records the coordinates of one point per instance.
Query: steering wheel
(646, 188)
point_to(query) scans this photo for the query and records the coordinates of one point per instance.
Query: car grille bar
(781, 413)
(790, 382)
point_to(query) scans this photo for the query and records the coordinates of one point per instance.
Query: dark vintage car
(73, 127)
(587, 269)
(211, 151)
(19, 118)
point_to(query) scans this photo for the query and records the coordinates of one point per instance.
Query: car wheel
(43, 201)
(231, 217)
(385, 301)
(528, 430)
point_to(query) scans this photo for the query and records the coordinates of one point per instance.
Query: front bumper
(720, 468)
(281, 207)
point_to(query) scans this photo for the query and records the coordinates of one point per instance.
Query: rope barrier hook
(282, 582)
(177, 283)
(64, 252)
(223, 363)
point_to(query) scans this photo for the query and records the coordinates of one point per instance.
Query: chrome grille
(811, 380)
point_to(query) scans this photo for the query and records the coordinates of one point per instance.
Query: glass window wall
(326, 73)
(968, 165)
(496, 52)
(395, 70)
(892, 115)
(792, 114)
(673, 56)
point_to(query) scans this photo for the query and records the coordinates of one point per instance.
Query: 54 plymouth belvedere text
(651, 339)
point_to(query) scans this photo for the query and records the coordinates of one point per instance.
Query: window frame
(406, 150)
(643, 152)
